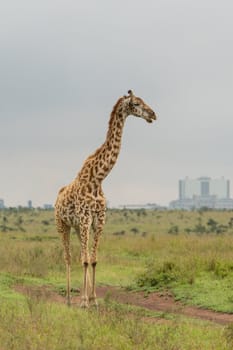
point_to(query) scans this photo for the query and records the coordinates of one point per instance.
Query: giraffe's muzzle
(151, 117)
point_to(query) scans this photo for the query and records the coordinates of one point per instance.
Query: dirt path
(163, 302)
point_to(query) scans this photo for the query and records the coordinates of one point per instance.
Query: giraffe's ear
(131, 95)
(130, 92)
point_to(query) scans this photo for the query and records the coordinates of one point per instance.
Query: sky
(65, 63)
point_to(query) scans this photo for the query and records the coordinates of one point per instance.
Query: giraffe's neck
(99, 164)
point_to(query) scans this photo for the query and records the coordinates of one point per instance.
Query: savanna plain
(185, 255)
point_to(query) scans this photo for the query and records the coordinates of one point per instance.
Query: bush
(135, 230)
(199, 228)
(45, 222)
(119, 233)
(174, 230)
(221, 269)
(159, 275)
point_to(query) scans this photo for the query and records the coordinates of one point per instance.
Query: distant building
(2, 206)
(203, 192)
(139, 206)
(204, 187)
(30, 204)
(48, 206)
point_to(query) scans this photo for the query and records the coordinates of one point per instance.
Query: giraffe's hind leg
(64, 231)
(98, 229)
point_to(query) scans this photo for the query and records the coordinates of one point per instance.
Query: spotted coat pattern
(82, 204)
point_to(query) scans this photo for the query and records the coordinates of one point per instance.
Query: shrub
(135, 230)
(212, 225)
(220, 268)
(45, 222)
(159, 275)
(199, 228)
(230, 223)
(174, 230)
(119, 233)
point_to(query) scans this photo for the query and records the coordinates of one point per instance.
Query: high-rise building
(204, 186)
(48, 206)
(203, 192)
(2, 206)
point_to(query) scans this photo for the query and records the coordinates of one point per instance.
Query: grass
(190, 253)
(207, 292)
(35, 324)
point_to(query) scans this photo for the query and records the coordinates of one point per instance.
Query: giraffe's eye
(134, 104)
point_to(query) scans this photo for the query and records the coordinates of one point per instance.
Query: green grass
(207, 292)
(139, 250)
(35, 324)
(7, 283)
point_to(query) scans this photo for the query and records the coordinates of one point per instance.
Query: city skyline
(187, 189)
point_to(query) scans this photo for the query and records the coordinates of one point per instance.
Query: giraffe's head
(137, 107)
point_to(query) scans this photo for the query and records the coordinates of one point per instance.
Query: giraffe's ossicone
(82, 204)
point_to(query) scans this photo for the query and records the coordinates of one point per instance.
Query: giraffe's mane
(114, 110)
(98, 150)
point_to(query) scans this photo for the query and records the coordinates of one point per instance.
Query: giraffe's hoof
(84, 303)
(93, 302)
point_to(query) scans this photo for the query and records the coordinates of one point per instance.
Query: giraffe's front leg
(84, 298)
(85, 223)
(98, 229)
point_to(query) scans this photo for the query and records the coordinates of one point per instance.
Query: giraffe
(82, 204)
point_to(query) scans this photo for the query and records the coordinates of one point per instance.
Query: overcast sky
(65, 63)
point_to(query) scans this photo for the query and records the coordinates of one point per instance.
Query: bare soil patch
(163, 302)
